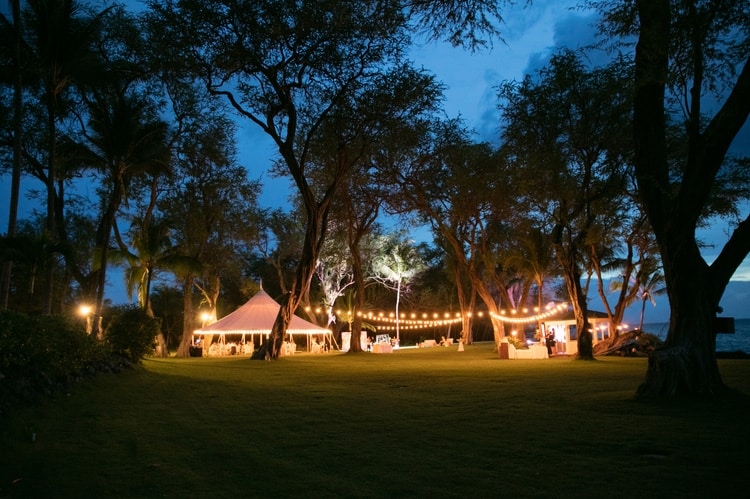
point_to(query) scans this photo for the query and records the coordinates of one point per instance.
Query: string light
(425, 320)
(428, 320)
(388, 322)
(550, 312)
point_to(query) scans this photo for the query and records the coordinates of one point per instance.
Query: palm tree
(152, 251)
(394, 267)
(654, 285)
(649, 282)
(125, 141)
(534, 260)
(60, 38)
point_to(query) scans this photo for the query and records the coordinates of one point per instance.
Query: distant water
(737, 342)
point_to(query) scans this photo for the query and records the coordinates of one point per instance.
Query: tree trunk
(314, 236)
(580, 312)
(466, 307)
(498, 330)
(51, 193)
(188, 319)
(103, 236)
(687, 363)
(15, 185)
(162, 349)
(566, 255)
(359, 298)
(271, 349)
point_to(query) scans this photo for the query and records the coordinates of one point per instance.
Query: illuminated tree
(395, 265)
(334, 272)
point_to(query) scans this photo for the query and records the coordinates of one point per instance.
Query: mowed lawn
(416, 423)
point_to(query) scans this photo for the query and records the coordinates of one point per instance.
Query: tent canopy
(258, 316)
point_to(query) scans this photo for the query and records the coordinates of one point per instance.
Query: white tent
(256, 317)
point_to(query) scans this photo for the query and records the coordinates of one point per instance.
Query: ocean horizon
(737, 342)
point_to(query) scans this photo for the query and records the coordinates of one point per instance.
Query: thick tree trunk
(271, 349)
(498, 330)
(687, 363)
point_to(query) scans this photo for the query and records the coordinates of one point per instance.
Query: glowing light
(551, 311)
(84, 310)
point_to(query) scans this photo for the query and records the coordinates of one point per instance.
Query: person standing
(550, 341)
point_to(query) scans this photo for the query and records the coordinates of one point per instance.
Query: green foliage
(517, 342)
(132, 333)
(41, 354)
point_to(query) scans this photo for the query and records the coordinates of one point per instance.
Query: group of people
(319, 345)
(381, 339)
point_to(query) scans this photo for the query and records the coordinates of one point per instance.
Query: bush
(131, 333)
(41, 354)
(50, 347)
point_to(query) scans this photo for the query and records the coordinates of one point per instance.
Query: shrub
(41, 354)
(132, 333)
(51, 347)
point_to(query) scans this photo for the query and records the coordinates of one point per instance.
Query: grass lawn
(417, 423)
